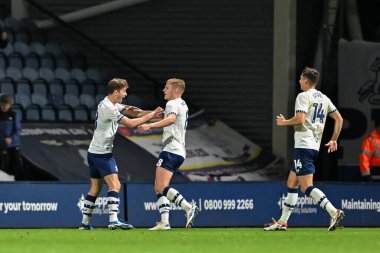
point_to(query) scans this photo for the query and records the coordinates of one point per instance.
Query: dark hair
(311, 74)
(6, 99)
(116, 84)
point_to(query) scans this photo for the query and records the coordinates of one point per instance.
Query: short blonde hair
(177, 83)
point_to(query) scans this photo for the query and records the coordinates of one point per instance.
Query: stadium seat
(93, 114)
(40, 87)
(56, 99)
(39, 99)
(37, 48)
(88, 87)
(80, 113)
(23, 99)
(32, 60)
(78, 75)
(48, 113)
(30, 73)
(23, 86)
(64, 113)
(14, 73)
(32, 113)
(46, 74)
(63, 61)
(87, 100)
(95, 75)
(22, 48)
(56, 87)
(47, 61)
(72, 87)
(71, 100)
(62, 74)
(8, 49)
(15, 60)
(7, 86)
(2, 74)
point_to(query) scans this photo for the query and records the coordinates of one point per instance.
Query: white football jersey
(107, 121)
(317, 107)
(174, 135)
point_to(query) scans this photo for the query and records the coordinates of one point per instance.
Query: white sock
(163, 205)
(319, 198)
(288, 206)
(88, 209)
(174, 196)
(113, 205)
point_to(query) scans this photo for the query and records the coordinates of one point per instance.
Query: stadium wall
(33, 205)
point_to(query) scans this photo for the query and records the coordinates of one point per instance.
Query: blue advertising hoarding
(31, 205)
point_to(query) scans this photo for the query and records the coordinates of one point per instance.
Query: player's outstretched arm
(135, 112)
(170, 119)
(138, 121)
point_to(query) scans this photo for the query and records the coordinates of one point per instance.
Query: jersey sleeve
(171, 108)
(331, 107)
(113, 114)
(120, 107)
(302, 103)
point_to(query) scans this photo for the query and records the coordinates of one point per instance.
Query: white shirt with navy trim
(107, 121)
(317, 107)
(174, 135)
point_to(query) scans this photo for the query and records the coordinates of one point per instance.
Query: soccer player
(173, 153)
(101, 161)
(311, 110)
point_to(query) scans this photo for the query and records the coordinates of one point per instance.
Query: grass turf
(194, 240)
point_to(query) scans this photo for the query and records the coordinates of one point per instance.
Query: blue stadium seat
(72, 87)
(47, 61)
(53, 48)
(22, 48)
(39, 99)
(37, 48)
(3, 61)
(63, 61)
(32, 113)
(30, 73)
(23, 99)
(62, 74)
(87, 100)
(95, 75)
(48, 113)
(64, 113)
(71, 100)
(40, 87)
(78, 75)
(80, 113)
(23, 86)
(8, 49)
(32, 60)
(15, 60)
(7, 86)
(14, 73)
(46, 74)
(88, 87)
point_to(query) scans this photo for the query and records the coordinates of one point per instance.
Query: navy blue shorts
(101, 165)
(303, 161)
(170, 161)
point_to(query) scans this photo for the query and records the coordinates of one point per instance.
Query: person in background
(369, 158)
(10, 129)
(310, 114)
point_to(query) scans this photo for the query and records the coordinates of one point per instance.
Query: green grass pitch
(179, 240)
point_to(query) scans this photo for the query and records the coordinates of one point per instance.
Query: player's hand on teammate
(143, 128)
(331, 146)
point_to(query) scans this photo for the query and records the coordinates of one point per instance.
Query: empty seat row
(48, 112)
